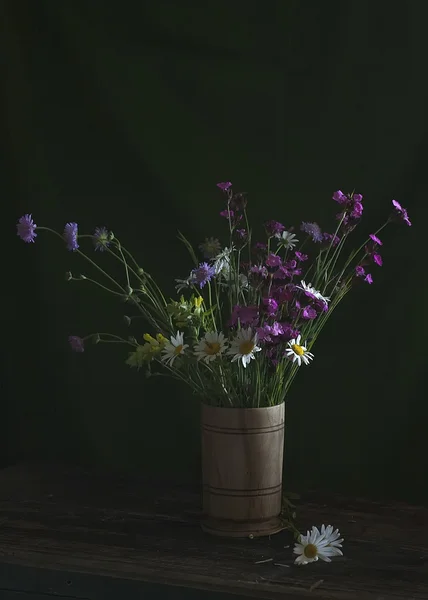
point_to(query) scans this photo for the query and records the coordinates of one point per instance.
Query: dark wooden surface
(66, 520)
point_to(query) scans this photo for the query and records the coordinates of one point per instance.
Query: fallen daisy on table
(318, 544)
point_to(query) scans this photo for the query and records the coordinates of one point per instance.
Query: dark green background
(126, 115)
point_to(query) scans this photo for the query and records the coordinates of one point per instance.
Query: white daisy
(222, 262)
(307, 287)
(174, 348)
(244, 346)
(210, 346)
(318, 544)
(297, 352)
(287, 239)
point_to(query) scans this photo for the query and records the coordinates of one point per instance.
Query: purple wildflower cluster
(269, 292)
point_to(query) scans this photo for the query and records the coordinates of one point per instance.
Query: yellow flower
(156, 344)
(198, 301)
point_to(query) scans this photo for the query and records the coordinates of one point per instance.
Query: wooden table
(77, 534)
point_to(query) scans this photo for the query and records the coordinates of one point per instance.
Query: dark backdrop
(127, 114)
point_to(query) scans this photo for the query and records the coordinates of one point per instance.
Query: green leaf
(189, 248)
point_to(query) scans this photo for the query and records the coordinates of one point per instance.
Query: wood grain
(127, 527)
(242, 463)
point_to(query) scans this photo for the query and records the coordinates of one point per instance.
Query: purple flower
(357, 198)
(25, 229)
(241, 233)
(70, 236)
(260, 246)
(309, 313)
(300, 256)
(340, 197)
(360, 271)
(282, 273)
(259, 270)
(102, 238)
(246, 315)
(273, 260)
(375, 239)
(285, 294)
(357, 210)
(331, 239)
(368, 278)
(274, 228)
(228, 214)
(401, 212)
(77, 344)
(224, 185)
(313, 230)
(320, 305)
(288, 333)
(203, 274)
(377, 259)
(271, 306)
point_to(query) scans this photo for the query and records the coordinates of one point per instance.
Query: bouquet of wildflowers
(248, 314)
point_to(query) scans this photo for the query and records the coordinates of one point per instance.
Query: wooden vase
(242, 460)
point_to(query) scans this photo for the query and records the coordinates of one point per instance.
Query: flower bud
(82, 276)
(68, 276)
(129, 290)
(127, 320)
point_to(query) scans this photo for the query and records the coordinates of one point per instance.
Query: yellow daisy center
(310, 551)
(299, 350)
(246, 347)
(212, 348)
(178, 349)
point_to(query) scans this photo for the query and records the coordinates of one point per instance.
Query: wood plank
(69, 519)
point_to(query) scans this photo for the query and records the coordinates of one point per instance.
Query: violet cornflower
(203, 274)
(102, 238)
(77, 343)
(313, 230)
(228, 214)
(224, 185)
(401, 212)
(25, 229)
(70, 236)
(368, 278)
(360, 271)
(241, 233)
(375, 239)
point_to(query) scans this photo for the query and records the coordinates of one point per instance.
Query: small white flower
(174, 348)
(297, 352)
(307, 287)
(318, 544)
(211, 346)
(244, 346)
(222, 262)
(287, 239)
